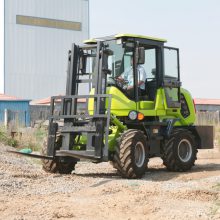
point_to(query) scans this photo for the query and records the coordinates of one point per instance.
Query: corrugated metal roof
(207, 101)
(45, 101)
(4, 97)
(8, 97)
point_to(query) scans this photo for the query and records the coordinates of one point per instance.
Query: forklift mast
(80, 122)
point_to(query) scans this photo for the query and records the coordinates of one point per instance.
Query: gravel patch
(96, 191)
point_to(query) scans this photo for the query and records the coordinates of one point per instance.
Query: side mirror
(140, 55)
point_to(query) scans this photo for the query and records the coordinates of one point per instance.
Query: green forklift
(124, 103)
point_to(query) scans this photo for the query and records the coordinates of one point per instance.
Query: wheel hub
(184, 150)
(139, 154)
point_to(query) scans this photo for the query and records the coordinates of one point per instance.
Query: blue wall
(19, 108)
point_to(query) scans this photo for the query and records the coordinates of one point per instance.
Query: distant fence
(14, 118)
(19, 118)
(207, 118)
(39, 112)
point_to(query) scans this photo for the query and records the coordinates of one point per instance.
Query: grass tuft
(23, 137)
(6, 139)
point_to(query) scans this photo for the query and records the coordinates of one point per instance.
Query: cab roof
(117, 36)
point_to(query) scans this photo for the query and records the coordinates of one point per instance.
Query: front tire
(180, 151)
(131, 155)
(58, 165)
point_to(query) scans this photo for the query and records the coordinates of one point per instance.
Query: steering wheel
(119, 82)
(123, 83)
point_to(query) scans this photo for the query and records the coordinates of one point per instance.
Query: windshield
(121, 65)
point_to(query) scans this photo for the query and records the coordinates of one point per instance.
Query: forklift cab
(160, 63)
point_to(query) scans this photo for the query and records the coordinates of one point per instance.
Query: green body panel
(82, 140)
(176, 112)
(146, 105)
(121, 105)
(153, 108)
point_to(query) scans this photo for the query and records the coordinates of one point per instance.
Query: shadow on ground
(160, 173)
(198, 171)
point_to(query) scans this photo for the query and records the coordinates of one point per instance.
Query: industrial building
(38, 35)
(204, 105)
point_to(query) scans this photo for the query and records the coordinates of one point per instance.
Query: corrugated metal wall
(36, 57)
(18, 112)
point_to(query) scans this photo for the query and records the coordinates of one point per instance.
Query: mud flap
(206, 136)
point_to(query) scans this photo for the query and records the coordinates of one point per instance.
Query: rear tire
(131, 154)
(179, 151)
(57, 165)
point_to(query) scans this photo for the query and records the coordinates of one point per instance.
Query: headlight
(132, 115)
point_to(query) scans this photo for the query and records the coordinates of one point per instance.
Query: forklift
(112, 113)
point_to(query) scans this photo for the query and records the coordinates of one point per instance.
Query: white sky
(191, 25)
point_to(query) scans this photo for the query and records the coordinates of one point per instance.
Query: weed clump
(23, 137)
(6, 139)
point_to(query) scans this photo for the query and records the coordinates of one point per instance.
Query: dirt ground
(95, 191)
